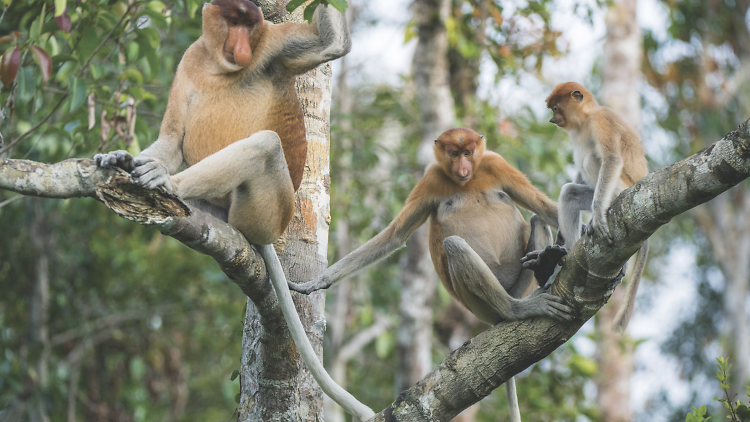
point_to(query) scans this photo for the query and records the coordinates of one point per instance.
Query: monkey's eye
(454, 154)
(467, 153)
(233, 22)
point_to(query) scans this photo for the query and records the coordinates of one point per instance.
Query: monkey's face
(558, 117)
(242, 19)
(462, 165)
(458, 152)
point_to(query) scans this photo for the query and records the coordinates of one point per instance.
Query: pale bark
(418, 278)
(621, 71)
(275, 385)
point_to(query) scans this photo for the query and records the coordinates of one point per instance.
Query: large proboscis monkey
(477, 236)
(609, 157)
(234, 119)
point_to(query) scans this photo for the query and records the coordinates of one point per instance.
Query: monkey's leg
(483, 294)
(255, 172)
(574, 198)
(540, 238)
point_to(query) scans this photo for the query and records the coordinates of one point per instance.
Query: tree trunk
(620, 78)
(418, 278)
(274, 383)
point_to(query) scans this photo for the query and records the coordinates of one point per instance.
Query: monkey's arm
(607, 185)
(305, 46)
(414, 214)
(523, 193)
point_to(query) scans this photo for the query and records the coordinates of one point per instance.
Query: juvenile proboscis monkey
(234, 119)
(477, 236)
(609, 157)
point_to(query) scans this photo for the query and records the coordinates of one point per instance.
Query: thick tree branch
(198, 230)
(586, 280)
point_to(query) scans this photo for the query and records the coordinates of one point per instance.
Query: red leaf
(42, 58)
(63, 21)
(9, 66)
(17, 34)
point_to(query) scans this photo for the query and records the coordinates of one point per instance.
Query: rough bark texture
(275, 384)
(586, 281)
(620, 79)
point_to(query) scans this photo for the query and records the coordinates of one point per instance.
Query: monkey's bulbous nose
(242, 54)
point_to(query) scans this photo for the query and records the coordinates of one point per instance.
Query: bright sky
(380, 55)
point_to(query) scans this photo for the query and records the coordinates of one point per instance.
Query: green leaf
(237, 398)
(77, 90)
(294, 4)
(153, 63)
(340, 5)
(89, 41)
(59, 7)
(235, 374)
(61, 58)
(309, 10)
(132, 75)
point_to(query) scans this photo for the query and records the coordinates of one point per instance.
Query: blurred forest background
(102, 319)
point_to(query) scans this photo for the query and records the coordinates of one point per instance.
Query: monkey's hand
(599, 225)
(150, 173)
(121, 159)
(322, 282)
(541, 303)
(543, 262)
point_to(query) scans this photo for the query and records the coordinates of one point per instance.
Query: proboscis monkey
(609, 157)
(477, 235)
(234, 119)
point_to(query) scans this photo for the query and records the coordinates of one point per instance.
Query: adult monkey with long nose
(234, 119)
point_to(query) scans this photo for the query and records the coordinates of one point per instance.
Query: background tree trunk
(621, 72)
(418, 278)
(275, 384)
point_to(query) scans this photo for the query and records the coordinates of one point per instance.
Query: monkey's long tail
(626, 310)
(329, 386)
(510, 390)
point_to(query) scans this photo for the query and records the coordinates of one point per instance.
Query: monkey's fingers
(556, 308)
(120, 158)
(530, 257)
(152, 174)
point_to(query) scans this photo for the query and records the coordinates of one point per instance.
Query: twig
(13, 199)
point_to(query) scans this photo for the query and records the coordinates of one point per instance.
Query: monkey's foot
(601, 229)
(543, 262)
(309, 287)
(541, 303)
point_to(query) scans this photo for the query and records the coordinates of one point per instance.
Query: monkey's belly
(492, 226)
(215, 121)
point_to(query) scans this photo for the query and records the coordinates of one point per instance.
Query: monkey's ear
(481, 136)
(436, 141)
(577, 95)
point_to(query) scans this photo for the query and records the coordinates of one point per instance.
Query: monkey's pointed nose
(552, 120)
